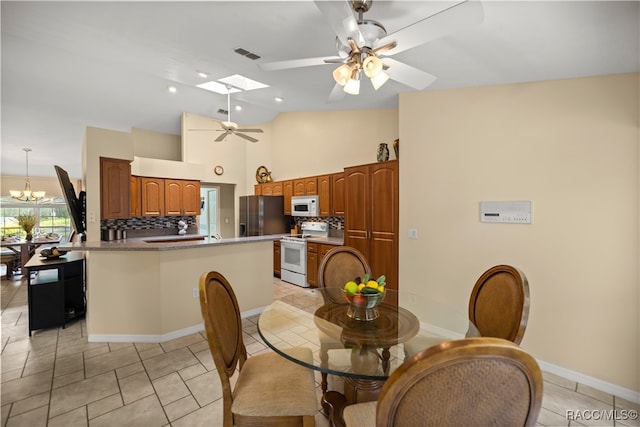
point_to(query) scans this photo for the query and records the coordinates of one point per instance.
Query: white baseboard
(607, 387)
(165, 337)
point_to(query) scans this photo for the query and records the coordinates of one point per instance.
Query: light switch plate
(412, 233)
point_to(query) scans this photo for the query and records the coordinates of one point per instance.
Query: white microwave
(304, 206)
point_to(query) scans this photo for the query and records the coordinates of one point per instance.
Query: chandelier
(27, 195)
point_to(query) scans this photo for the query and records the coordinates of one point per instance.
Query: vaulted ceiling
(68, 65)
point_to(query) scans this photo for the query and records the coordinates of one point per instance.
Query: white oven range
(293, 252)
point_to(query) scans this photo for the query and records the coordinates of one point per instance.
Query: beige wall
(571, 147)
(156, 145)
(315, 143)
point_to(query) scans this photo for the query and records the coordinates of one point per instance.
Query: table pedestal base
(355, 391)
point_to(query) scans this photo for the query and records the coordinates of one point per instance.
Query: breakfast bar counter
(146, 289)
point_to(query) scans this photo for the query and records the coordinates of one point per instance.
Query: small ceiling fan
(364, 47)
(230, 127)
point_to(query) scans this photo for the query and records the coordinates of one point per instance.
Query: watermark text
(601, 414)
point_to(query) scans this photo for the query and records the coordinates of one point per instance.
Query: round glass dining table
(364, 352)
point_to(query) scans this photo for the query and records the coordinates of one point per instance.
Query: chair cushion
(270, 385)
(361, 414)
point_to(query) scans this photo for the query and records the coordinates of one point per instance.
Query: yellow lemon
(381, 289)
(351, 288)
(372, 284)
(361, 286)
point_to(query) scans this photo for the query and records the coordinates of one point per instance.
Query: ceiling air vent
(222, 111)
(244, 52)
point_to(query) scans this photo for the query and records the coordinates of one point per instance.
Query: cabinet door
(312, 264)
(324, 191)
(311, 185)
(383, 252)
(190, 198)
(337, 194)
(152, 196)
(323, 249)
(267, 189)
(277, 189)
(357, 207)
(257, 190)
(115, 201)
(299, 187)
(135, 196)
(287, 192)
(172, 197)
(276, 258)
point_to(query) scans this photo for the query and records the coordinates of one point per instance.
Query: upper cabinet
(151, 196)
(115, 182)
(305, 186)
(337, 194)
(135, 196)
(287, 192)
(324, 193)
(169, 197)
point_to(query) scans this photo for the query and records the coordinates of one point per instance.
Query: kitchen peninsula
(145, 289)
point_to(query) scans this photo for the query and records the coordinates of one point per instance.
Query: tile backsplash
(150, 225)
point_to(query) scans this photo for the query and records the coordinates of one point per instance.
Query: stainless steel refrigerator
(262, 215)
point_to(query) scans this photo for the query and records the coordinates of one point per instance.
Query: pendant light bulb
(379, 80)
(342, 74)
(353, 85)
(372, 66)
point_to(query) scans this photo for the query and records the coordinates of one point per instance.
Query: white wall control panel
(506, 212)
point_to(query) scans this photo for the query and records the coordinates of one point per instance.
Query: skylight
(238, 83)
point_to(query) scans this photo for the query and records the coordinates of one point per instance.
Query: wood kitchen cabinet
(305, 186)
(181, 197)
(168, 197)
(151, 196)
(115, 176)
(134, 191)
(312, 264)
(257, 190)
(324, 193)
(287, 192)
(337, 194)
(276, 258)
(371, 216)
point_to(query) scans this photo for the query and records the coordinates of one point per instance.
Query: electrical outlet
(92, 217)
(194, 292)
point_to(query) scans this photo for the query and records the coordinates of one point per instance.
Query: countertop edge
(139, 244)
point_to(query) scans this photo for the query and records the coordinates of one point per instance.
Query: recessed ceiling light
(172, 89)
(278, 99)
(238, 107)
(203, 74)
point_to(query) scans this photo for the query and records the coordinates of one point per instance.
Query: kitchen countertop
(162, 243)
(335, 241)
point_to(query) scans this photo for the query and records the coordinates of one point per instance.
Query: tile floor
(58, 378)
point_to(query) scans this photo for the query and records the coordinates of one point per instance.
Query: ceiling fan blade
(341, 19)
(337, 93)
(247, 137)
(222, 136)
(249, 130)
(453, 19)
(408, 75)
(295, 63)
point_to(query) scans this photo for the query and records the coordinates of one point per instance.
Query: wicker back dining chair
(340, 265)
(270, 390)
(499, 303)
(468, 382)
(498, 307)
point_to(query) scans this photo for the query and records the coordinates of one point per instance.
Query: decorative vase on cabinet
(383, 152)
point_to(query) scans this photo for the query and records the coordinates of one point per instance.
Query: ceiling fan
(364, 46)
(230, 127)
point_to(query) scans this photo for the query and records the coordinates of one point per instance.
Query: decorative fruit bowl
(364, 298)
